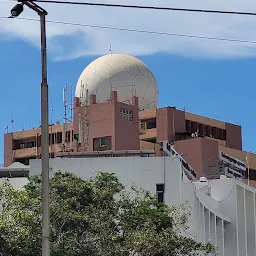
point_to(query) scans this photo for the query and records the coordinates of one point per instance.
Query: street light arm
(34, 7)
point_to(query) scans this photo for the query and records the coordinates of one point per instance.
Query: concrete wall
(144, 172)
(223, 212)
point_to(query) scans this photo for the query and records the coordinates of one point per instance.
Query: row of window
(205, 130)
(54, 138)
(191, 126)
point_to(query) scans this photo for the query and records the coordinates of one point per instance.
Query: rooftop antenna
(65, 118)
(51, 136)
(67, 134)
(6, 128)
(80, 114)
(12, 121)
(86, 117)
(110, 48)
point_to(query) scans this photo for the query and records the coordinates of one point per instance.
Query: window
(151, 124)
(126, 114)
(30, 144)
(68, 135)
(194, 126)
(59, 137)
(143, 125)
(222, 134)
(39, 142)
(188, 125)
(52, 138)
(160, 193)
(214, 132)
(102, 142)
(205, 130)
(201, 129)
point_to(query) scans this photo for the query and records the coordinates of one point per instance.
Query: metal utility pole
(15, 12)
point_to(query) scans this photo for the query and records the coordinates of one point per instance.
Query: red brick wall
(8, 156)
(105, 120)
(234, 136)
(200, 153)
(168, 121)
(127, 132)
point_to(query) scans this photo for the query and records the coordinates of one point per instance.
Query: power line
(142, 31)
(146, 7)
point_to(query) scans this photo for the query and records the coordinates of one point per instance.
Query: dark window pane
(160, 197)
(160, 187)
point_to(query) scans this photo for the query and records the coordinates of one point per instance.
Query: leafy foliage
(93, 218)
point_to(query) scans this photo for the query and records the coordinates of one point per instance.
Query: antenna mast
(86, 118)
(12, 121)
(110, 48)
(67, 134)
(80, 114)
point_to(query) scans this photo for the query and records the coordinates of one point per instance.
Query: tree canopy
(97, 217)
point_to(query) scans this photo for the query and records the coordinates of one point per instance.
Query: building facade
(118, 126)
(115, 108)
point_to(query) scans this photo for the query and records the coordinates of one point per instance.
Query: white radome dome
(122, 73)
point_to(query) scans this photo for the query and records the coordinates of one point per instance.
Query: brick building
(114, 118)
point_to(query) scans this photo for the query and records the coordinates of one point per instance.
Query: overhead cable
(143, 31)
(146, 7)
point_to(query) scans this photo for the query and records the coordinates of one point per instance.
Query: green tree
(94, 218)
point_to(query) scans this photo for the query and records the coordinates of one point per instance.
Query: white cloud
(67, 42)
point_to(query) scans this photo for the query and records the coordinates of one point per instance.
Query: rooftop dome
(122, 73)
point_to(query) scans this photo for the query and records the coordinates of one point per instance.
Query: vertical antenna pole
(71, 103)
(51, 131)
(86, 117)
(80, 115)
(64, 120)
(71, 116)
(12, 121)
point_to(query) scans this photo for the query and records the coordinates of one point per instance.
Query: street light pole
(16, 11)
(45, 145)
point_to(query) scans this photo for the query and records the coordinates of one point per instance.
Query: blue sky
(210, 78)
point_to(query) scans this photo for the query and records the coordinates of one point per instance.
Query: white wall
(144, 172)
(227, 218)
